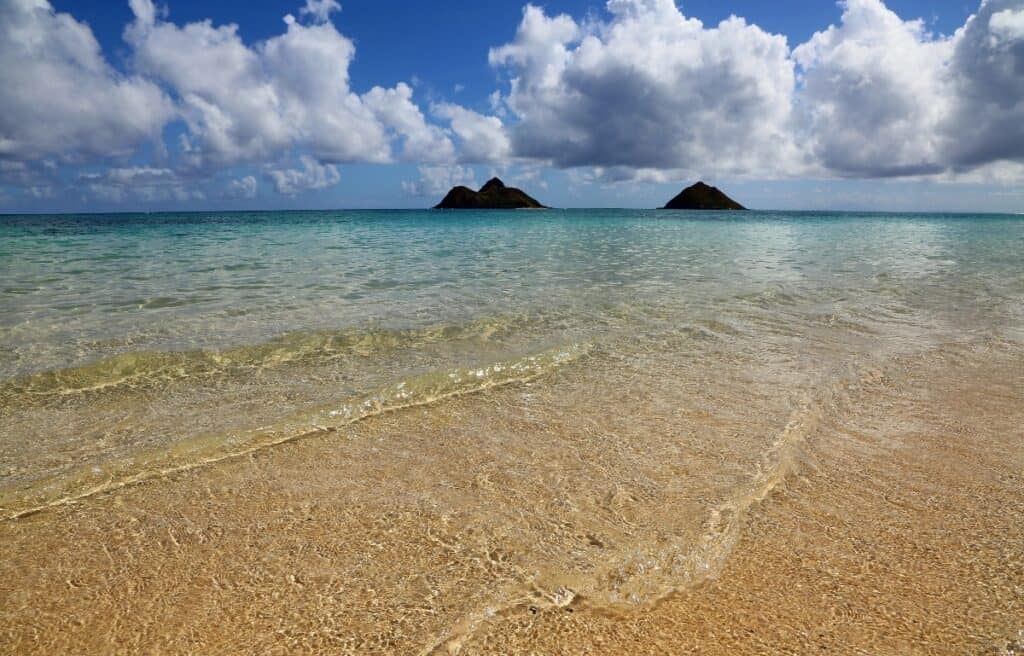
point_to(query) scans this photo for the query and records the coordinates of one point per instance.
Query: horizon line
(4, 212)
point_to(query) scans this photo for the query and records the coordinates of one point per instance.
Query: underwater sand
(617, 436)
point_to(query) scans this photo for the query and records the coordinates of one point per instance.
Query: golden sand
(737, 506)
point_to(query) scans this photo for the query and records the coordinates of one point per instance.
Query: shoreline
(778, 434)
(282, 531)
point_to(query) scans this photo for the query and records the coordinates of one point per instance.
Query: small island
(702, 197)
(492, 196)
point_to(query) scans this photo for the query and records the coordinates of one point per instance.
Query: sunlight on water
(519, 415)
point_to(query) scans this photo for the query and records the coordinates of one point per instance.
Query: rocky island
(702, 197)
(492, 196)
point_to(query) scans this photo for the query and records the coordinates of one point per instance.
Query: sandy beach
(886, 523)
(616, 441)
(596, 328)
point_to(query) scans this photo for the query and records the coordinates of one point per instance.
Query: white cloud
(242, 187)
(241, 103)
(987, 120)
(482, 139)
(308, 69)
(540, 50)
(612, 175)
(40, 191)
(883, 97)
(527, 174)
(247, 103)
(25, 174)
(320, 10)
(421, 142)
(1001, 173)
(650, 88)
(437, 180)
(142, 183)
(144, 10)
(650, 94)
(59, 96)
(1008, 24)
(874, 93)
(641, 93)
(312, 175)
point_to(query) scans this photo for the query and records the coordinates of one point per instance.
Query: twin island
(494, 195)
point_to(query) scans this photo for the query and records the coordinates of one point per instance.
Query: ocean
(473, 417)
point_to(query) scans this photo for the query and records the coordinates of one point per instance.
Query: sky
(136, 105)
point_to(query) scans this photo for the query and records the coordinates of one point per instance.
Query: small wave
(197, 452)
(681, 567)
(782, 459)
(144, 368)
(772, 297)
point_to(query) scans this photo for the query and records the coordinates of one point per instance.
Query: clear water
(513, 412)
(79, 288)
(139, 343)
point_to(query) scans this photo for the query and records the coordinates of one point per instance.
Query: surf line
(464, 382)
(725, 522)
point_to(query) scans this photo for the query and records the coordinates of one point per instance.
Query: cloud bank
(873, 96)
(58, 95)
(649, 88)
(641, 92)
(874, 93)
(291, 92)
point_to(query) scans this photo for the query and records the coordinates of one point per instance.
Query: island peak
(701, 196)
(493, 195)
(492, 185)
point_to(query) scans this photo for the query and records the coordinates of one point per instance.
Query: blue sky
(901, 105)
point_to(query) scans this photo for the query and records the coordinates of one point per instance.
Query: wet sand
(905, 540)
(742, 508)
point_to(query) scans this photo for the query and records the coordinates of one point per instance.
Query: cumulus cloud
(421, 142)
(874, 92)
(312, 175)
(242, 187)
(58, 95)
(240, 103)
(639, 92)
(245, 103)
(651, 94)
(884, 97)
(1007, 24)
(482, 139)
(251, 103)
(437, 180)
(987, 68)
(320, 10)
(142, 183)
(649, 88)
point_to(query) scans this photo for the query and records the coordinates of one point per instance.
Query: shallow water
(80, 288)
(475, 417)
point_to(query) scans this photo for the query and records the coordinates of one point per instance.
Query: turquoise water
(136, 343)
(79, 288)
